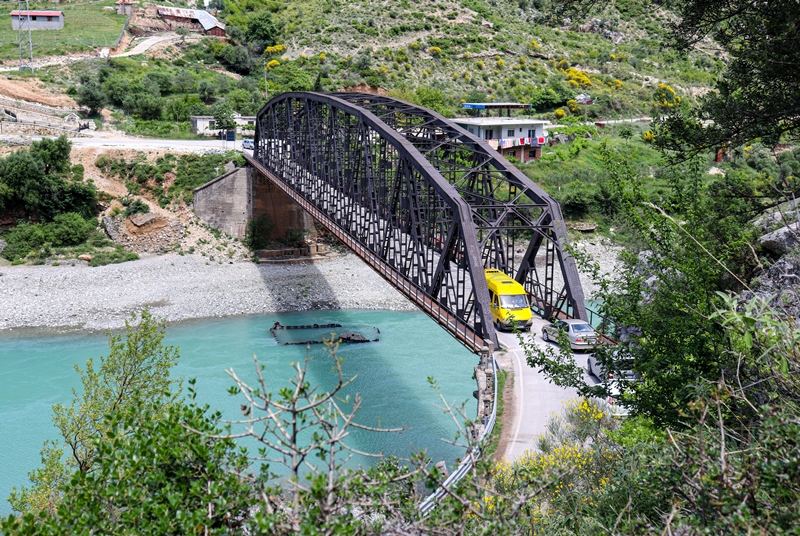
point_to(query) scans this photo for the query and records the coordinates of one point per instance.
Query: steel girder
(374, 190)
(519, 227)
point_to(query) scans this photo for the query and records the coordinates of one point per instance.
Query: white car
(248, 144)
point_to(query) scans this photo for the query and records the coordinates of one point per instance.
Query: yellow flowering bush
(578, 78)
(277, 49)
(665, 97)
(560, 113)
(569, 460)
(273, 63)
(435, 51)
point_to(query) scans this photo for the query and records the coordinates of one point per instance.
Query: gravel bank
(177, 288)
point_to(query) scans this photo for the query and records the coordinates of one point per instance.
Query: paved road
(143, 144)
(147, 43)
(536, 398)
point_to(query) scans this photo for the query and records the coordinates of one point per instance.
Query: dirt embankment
(34, 91)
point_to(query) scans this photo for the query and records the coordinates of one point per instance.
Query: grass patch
(497, 431)
(86, 27)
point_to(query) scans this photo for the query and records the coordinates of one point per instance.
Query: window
(49, 19)
(531, 154)
(488, 134)
(212, 124)
(251, 122)
(510, 132)
(512, 153)
(33, 17)
(531, 133)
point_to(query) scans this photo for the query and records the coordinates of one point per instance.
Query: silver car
(621, 365)
(581, 335)
(248, 144)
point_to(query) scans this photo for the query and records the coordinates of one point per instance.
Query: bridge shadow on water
(391, 374)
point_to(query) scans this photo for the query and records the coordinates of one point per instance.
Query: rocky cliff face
(779, 282)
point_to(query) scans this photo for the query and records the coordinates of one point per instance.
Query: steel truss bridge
(424, 202)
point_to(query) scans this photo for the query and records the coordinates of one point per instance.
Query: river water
(392, 379)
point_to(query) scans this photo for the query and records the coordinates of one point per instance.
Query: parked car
(248, 144)
(581, 335)
(621, 365)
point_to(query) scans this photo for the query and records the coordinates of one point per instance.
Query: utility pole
(25, 40)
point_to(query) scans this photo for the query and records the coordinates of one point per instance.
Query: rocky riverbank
(176, 288)
(181, 287)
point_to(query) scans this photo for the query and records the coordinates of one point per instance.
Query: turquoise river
(392, 379)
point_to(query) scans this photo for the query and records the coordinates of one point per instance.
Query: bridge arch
(422, 201)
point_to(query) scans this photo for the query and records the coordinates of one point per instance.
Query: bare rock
(782, 240)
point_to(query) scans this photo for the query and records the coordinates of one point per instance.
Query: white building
(206, 125)
(37, 20)
(518, 137)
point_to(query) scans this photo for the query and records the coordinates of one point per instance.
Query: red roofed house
(37, 20)
(192, 19)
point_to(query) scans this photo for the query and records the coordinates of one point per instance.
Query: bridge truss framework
(424, 202)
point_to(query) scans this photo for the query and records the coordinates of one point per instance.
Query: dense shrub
(40, 184)
(65, 230)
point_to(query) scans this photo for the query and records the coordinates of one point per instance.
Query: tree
(34, 182)
(136, 373)
(223, 116)
(262, 30)
(184, 81)
(207, 90)
(165, 475)
(91, 95)
(663, 296)
(182, 32)
(53, 154)
(149, 106)
(757, 95)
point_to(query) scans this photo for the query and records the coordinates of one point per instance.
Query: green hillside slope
(478, 50)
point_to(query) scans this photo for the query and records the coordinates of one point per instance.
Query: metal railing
(466, 465)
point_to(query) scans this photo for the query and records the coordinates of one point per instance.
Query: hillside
(436, 54)
(506, 50)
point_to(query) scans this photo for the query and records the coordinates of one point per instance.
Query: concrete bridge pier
(231, 201)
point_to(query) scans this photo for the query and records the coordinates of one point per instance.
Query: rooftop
(36, 13)
(206, 19)
(489, 121)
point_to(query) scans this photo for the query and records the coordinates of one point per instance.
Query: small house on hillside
(195, 20)
(518, 137)
(37, 20)
(124, 7)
